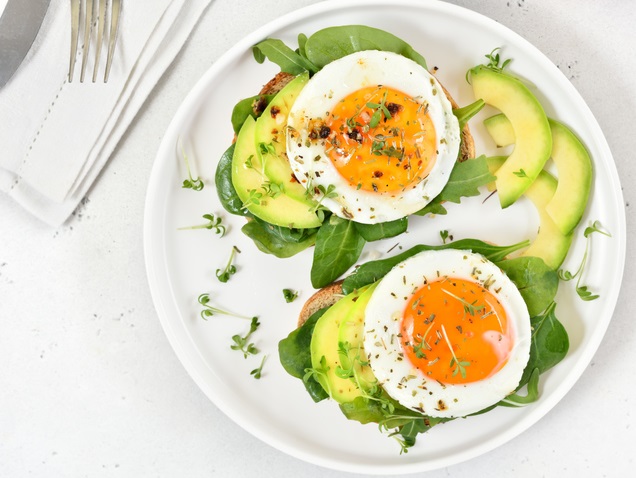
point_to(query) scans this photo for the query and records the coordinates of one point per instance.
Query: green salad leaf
(277, 52)
(331, 43)
(252, 106)
(383, 230)
(279, 241)
(338, 247)
(464, 181)
(230, 201)
(536, 282)
(372, 271)
(295, 355)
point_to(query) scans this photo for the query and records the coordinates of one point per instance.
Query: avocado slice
(325, 354)
(271, 143)
(351, 336)
(529, 122)
(551, 244)
(247, 176)
(573, 164)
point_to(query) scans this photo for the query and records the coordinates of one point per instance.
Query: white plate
(181, 264)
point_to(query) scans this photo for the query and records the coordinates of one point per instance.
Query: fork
(93, 12)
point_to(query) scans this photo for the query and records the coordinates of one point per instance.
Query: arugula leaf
(277, 52)
(248, 107)
(549, 344)
(464, 181)
(230, 201)
(383, 230)
(465, 113)
(331, 43)
(338, 247)
(536, 282)
(295, 355)
(374, 270)
(280, 241)
(516, 400)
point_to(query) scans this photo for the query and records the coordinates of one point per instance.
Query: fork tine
(100, 35)
(114, 27)
(75, 17)
(88, 27)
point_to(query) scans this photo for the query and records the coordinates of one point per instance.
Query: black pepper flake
(274, 111)
(324, 132)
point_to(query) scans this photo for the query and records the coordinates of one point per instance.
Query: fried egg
(373, 137)
(447, 333)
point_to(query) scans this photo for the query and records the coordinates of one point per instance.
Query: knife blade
(19, 25)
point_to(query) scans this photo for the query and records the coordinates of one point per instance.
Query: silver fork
(93, 12)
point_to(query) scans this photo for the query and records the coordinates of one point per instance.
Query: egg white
(393, 370)
(311, 164)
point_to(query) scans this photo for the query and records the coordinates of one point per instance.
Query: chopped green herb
(289, 295)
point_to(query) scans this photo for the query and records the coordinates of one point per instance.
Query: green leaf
(465, 113)
(383, 230)
(465, 180)
(277, 52)
(338, 247)
(372, 271)
(224, 187)
(536, 282)
(252, 106)
(331, 43)
(280, 241)
(549, 343)
(516, 400)
(295, 355)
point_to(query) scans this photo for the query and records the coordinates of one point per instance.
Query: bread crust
(325, 297)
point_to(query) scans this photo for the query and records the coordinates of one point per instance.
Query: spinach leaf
(375, 270)
(464, 181)
(295, 355)
(288, 60)
(331, 43)
(252, 106)
(302, 41)
(280, 241)
(383, 230)
(224, 187)
(549, 345)
(338, 247)
(536, 282)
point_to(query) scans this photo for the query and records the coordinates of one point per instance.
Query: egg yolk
(455, 331)
(380, 139)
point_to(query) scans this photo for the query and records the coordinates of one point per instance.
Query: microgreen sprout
(582, 290)
(326, 193)
(469, 308)
(445, 236)
(290, 295)
(230, 269)
(380, 111)
(195, 184)
(214, 223)
(520, 174)
(210, 310)
(317, 373)
(242, 343)
(256, 373)
(460, 365)
(494, 60)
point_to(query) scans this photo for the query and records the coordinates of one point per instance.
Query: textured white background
(89, 385)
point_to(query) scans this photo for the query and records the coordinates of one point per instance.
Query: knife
(19, 25)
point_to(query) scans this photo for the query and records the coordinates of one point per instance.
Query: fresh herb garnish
(460, 365)
(319, 373)
(214, 223)
(520, 174)
(230, 269)
(256, 373)
(582, 290)
(494, 60)
(242, 343)
(210, 310)
(289, 295)
(195, 184)
(326, 193)
(444, 235)
(469, 308)
(380, 111)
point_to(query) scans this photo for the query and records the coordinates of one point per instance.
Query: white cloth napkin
(56, 136)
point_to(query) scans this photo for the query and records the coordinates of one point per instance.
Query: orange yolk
(381, 140)
(455, 331)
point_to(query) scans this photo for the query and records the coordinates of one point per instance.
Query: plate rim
(151, 245)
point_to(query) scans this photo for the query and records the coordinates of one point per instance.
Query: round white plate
(182, 263)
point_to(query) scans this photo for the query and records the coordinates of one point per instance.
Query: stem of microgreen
(210, 310)
(214, 223)
(195, 184)
(230, 269)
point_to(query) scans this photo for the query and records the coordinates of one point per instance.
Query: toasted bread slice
(325, 297)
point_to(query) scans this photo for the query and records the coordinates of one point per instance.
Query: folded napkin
(56, 136)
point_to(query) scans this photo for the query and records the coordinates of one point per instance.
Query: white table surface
(89, 385)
